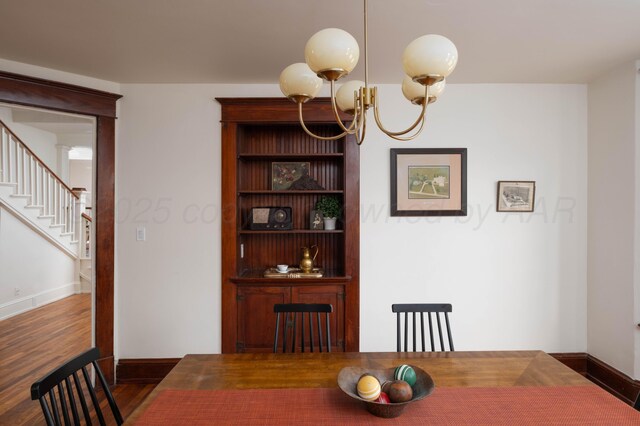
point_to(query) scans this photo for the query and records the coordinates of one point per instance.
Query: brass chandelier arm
(362, 130)
(411, 137)
(313, 135)
(354, 124)
(409, 129)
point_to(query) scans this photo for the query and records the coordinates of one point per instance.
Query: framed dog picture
(429, 182)
(516, 196)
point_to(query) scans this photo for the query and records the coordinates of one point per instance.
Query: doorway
(22, 90)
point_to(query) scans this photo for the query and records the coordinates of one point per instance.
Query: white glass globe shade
(435, 90)
(298, 80)
(345, 95)
(412, 90)
(430, 54)
(332, 48)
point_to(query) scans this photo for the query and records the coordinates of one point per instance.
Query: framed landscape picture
(516, 196)
(429, 182)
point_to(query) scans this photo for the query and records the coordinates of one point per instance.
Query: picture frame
(285, 173)
(516, 196)
(428, 182)
(316, 222)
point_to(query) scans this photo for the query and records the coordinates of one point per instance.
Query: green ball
(406, 373)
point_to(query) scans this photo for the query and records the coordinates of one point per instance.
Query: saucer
(283, 272)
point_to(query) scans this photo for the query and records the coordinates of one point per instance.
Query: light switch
(141, 233)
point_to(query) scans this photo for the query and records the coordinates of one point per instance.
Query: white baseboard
(33, 301)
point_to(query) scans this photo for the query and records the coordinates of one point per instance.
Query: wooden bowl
(348, 380)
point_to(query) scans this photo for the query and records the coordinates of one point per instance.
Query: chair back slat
(72, 401)
(328, 328)
(413, 315)
(291, 324)
(54, 408)
(83, 401)
(422, 328)
(406, 332)
(446, 318)
(422, 308)
(440, 333)
(431, 332)
(64, 406)
(295, 327)
(92, 395)
(311, 328)
(398, 331)
(45, 410)
(275, 340)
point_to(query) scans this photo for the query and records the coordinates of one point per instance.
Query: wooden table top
(320, 370)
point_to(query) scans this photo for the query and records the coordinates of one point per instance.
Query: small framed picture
(316, 220)
(285, 174)
(428, 182)
(516, 196)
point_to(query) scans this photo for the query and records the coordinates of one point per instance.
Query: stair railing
(34, 180)
(85, 239)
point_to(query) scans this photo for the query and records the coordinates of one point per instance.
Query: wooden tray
(294, 273)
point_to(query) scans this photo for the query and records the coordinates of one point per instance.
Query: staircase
(32, 192)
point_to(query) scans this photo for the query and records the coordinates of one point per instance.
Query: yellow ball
(368, 388)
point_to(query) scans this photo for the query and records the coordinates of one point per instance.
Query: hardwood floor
(33, 343)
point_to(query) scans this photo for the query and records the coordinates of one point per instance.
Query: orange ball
(368, 387)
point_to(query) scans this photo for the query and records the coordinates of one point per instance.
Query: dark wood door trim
(39, 93)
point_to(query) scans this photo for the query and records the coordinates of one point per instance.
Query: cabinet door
(256, 320)
(333, 294)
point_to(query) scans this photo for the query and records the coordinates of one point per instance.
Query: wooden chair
(292, 311)
(422, 308)
(61, 379)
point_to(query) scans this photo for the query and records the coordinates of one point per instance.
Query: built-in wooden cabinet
(255, 133)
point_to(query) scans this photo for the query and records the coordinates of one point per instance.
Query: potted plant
(330, 208)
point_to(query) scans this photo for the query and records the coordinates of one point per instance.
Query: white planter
(329, 223)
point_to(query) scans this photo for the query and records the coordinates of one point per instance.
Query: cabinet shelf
(289, 192)
(255, 276)
(291, 231)
(291, 156)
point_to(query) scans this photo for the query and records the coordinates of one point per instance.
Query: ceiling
(251, 41)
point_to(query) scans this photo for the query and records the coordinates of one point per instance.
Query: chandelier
(332, 53)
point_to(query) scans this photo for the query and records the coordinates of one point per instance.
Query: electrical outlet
(141, 233)
(16, 291)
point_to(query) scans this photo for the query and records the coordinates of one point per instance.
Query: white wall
(637, 228)
(29, 263)
(81, 176)
(41, 142)
(612, 213)
(516, 280)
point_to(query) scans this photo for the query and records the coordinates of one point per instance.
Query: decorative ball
(399, 391)
(368, 387)
(406, 373)
(383, 399)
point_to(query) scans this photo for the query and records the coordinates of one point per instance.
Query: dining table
(491, 387)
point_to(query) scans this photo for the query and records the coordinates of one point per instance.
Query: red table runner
(579, 405)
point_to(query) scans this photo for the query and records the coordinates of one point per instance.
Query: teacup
(282, 268)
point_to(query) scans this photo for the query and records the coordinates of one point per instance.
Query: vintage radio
(270, 218)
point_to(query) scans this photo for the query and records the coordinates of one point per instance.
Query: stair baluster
(38, 184)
